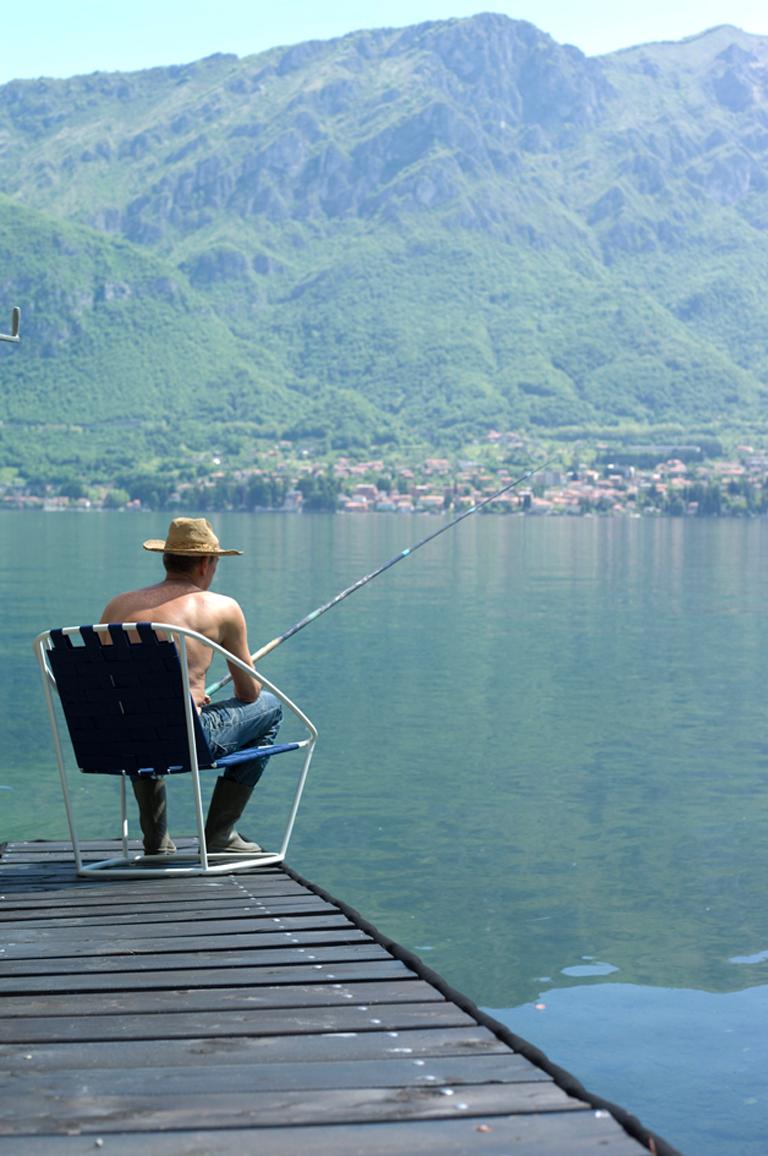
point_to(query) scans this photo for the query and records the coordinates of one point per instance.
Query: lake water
(542, 765)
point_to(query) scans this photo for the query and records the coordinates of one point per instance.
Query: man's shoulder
(222, 604)
(119, 605)
(127, 600)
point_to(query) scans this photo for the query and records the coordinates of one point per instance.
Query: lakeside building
(681, 485)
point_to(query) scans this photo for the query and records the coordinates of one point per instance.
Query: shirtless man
(251, 717)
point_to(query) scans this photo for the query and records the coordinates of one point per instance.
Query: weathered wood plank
(115, 908)
(189, 929)
(42, 848)
(328, 1047)
(34, 872)
(27, 990)
(143, 1113)
(223, 998)
(350, 1017)
(336, 931)
(65, 881)
(205, 912)
(158, 901)
(63, 898)
(12, 886)
(131, 963)
(556, 1134)
(446, 1072)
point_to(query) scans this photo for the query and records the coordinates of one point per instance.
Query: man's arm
(234, 637)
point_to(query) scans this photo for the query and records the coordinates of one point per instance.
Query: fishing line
(406, 553)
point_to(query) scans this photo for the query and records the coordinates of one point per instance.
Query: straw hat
(189, 536)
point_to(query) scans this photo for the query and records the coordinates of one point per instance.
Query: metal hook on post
(15, 326)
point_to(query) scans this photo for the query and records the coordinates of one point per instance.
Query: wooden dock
(252, 1013)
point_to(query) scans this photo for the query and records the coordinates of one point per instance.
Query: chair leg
(227, 805)
(153, 816)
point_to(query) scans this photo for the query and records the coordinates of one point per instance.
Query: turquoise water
(542, 765)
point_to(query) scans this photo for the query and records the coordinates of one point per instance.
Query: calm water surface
(542, 765)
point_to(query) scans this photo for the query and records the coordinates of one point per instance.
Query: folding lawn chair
(129, 712)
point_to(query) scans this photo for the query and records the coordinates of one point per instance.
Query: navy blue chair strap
(123, 701)
(90, 638)
(119, 637)
(146, 634)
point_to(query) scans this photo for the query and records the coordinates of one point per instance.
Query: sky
(73, 37)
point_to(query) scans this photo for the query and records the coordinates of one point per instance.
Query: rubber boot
(227, 805)
(153, 816)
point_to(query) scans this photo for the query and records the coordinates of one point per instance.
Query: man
(252, 717)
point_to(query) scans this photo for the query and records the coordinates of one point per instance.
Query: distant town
(642, 480)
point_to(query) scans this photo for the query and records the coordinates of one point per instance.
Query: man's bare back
(182, 600)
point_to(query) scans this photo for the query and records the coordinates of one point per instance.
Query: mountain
(398, 235)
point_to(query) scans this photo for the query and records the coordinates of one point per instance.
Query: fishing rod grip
(267, 649)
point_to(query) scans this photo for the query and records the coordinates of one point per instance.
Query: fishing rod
(270, 646)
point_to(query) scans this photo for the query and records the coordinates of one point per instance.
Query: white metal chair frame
(135, 865)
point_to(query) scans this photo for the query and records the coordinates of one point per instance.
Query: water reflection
(687, 1061)
(542, 744)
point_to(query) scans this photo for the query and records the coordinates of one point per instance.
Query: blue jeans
(232, 725)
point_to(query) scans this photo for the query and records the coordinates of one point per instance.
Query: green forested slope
(398, 236)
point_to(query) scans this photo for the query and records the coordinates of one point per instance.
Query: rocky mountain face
(371, 126)
(455, 224)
